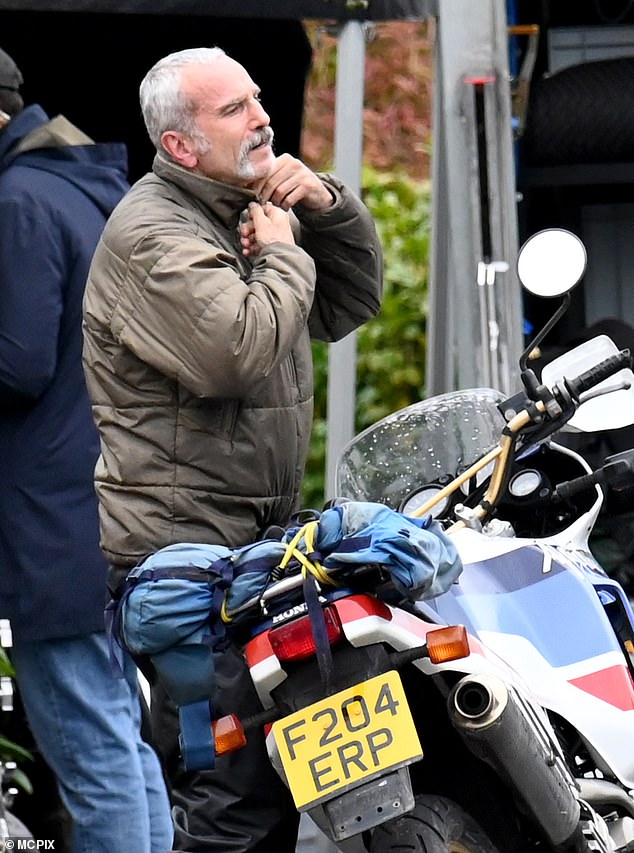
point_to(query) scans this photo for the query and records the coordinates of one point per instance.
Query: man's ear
(180, 148)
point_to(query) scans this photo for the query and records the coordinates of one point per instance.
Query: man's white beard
(246, 169)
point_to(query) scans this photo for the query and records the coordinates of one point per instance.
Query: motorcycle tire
(435, 825)
(582, 114)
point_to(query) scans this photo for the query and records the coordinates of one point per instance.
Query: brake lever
(599, 392)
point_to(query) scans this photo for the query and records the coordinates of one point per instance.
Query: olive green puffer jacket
(198, 360)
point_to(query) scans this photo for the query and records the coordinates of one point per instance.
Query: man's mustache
(261, 137)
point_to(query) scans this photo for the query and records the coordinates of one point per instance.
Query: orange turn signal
(229, 735)
(445, 644)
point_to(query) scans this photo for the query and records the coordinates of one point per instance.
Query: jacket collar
(226, 201)
(57, 133)
(31, 129)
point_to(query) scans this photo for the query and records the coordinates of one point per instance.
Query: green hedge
(390, 348)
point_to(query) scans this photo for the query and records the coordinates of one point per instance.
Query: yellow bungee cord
(309, 567)
(312, 567)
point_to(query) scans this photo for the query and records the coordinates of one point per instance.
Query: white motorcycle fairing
(550, 613)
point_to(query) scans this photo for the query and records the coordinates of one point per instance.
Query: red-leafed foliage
(397, 97)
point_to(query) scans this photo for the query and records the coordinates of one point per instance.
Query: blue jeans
(86, 723)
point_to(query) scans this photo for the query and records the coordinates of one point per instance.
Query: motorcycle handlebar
(606, 368)
(567, 394)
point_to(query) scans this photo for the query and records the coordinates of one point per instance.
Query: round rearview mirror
(551, 262)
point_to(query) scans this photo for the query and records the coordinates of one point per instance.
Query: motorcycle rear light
(229, 735)
(446, 644)
(295, 640)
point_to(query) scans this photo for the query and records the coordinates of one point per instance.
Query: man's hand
(291, 182)
(264, 224)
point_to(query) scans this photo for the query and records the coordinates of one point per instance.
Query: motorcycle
(495, 715)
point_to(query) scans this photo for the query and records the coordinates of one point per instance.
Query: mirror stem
(539, 337)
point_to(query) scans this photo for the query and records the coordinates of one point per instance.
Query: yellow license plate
(347, 738)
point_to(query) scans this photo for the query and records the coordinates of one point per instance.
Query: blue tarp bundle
(178, 601)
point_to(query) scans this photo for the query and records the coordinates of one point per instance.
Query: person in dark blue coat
(57, 188)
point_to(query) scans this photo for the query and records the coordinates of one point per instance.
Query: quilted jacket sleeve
(345, 247)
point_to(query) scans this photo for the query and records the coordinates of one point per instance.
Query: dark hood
(99, 169)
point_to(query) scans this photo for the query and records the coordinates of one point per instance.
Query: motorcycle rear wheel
(435, 825)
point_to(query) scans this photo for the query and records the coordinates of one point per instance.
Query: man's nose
(259, 114)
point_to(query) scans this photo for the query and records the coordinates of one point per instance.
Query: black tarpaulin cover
(298, 9)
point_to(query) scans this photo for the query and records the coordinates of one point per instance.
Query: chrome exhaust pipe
(501, 730)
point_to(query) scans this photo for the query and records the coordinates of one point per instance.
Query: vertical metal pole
(348, 145)
(461, 321)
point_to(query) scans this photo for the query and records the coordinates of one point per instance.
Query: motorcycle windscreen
(429, 442)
